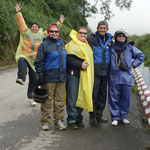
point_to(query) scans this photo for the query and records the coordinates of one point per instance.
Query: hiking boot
(114, 123)
(101, 119)
(72, 126)
(45, 128)
(93, 121)
(80, 123)
(59, 125)
(20, 81)
(32, 102)
(125, 121)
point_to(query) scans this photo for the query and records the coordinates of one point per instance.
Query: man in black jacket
(100, 42)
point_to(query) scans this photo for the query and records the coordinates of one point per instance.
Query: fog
(134, 21)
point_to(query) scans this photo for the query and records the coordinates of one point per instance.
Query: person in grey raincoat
(123, 57)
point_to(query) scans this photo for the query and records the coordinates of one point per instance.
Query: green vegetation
(134, 89)
(43, 12)
(143, 43)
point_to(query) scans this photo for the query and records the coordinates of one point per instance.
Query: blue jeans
(22, 72)
(72, 86)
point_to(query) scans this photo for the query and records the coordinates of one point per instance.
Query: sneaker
(32, 102)
(93, 121)
(59, 125)
(114, 123)
(80, 123)
(72, 126)
(101, 119)
(20, 81)
(125, 121)
(45, 128)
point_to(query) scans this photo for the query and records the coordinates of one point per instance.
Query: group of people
(78, 72)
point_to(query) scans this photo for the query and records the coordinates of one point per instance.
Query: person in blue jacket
(100, 44)
(50, 65)
(123, 57)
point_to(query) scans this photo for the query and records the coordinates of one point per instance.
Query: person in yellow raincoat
(80, 70)
(30, 39)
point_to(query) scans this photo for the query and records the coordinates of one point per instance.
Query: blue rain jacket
(120, 82)
(134, 57)
(100, 53)
(51, 60)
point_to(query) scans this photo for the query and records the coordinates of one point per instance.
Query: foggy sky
(134, 21)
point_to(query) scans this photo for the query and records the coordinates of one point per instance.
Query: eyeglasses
(52, 31)
(85, 33)
(122, 36)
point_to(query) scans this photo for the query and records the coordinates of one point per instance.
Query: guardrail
(143, 90)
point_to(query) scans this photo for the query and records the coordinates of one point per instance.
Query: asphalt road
(20, 127)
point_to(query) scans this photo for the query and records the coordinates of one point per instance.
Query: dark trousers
(72, 86)
(99, 95)
(22, 72)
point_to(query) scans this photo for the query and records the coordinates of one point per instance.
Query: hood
(74, 37)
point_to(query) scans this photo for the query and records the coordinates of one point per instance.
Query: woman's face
(53, 32)
(82, 35)
(34, 28)
(121, 37)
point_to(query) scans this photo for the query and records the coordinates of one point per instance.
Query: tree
(75, 11)
(104, 6)
(45, 12)
(142, 43)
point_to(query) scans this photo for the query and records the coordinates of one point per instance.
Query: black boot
(80, 123)
(73, 126)
(93, 121)
(101, 119)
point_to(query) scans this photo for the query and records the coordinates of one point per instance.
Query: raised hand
(61, 19)
(17, 7)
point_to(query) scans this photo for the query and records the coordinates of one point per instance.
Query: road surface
(20, 127)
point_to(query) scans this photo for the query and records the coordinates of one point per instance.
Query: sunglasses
(52, 31)
(85, 33)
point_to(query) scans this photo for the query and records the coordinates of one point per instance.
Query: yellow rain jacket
(29, 41)
(83, 51)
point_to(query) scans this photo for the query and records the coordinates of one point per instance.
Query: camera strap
(120, 57)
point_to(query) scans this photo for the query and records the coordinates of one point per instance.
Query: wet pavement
(20, 127)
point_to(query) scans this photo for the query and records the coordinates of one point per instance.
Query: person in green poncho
(30, 39)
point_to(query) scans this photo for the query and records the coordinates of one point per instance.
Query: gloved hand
(40, 80)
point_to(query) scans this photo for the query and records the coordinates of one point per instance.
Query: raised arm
(20, 20)
(61, 20)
